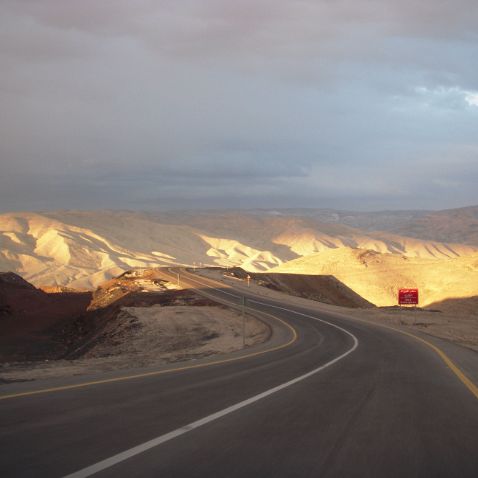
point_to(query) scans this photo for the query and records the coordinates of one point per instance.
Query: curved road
(343, 399)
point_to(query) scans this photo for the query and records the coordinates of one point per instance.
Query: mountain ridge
(84, 248)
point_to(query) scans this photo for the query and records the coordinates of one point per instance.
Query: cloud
(447, 97)
(205, 100)
(471, 97)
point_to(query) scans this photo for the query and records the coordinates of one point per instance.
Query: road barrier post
(243, 322)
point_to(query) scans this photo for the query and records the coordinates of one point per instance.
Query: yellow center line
(450, 364)
(160, 372)
(448, 361)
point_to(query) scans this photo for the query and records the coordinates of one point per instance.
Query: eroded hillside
(82, 249)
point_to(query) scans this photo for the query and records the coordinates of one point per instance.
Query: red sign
(408, 296)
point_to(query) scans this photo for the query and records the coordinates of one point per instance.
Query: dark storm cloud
(357, 103)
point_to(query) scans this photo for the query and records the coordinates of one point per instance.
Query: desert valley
(239, 239)
(372, 253)
(85, 284)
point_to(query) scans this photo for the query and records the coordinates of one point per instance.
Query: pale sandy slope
(84, 248)
(377, 277)
(47, 251)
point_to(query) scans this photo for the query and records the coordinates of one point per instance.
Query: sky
(181, 104)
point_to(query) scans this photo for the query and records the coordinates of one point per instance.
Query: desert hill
(453, 225)
(138, 317)
(367, 221)
(12, 281)
(82, 249)
(467, 306)
(323, 288)
(28, 316)
(377, 277)
(459, 225)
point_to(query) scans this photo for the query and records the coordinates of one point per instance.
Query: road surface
(343, 398)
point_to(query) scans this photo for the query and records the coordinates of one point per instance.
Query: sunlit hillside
(84, 248)
(377, 277)
(47, 251)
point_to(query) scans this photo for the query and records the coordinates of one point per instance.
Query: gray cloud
(252, 103)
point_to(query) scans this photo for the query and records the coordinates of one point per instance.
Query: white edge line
(115, 459)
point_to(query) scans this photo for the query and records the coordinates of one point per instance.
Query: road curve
(344, 399)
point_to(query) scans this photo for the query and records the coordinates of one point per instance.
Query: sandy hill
(458, 225)
(82, 249)
(300, 235)
(377, 277)
(368, 221)
(453, 225)
(85, 249)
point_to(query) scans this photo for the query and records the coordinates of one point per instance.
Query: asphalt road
(344, 399)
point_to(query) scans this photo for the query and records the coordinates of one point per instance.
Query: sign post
(243, 322)
(408, 297)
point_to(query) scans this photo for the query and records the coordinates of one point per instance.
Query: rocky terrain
(137, 319)
(82, 249)
(95, 283)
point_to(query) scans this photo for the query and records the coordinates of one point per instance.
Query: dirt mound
(29, 317)
(12, 280)
(98, 323)
(37, 326)
(132, 281)
(467, 306)
(174, 333)
(323, 288)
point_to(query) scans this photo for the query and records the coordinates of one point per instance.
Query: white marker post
(243, 322)
(248, 280)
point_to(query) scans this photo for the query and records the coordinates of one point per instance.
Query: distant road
(343, 398)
